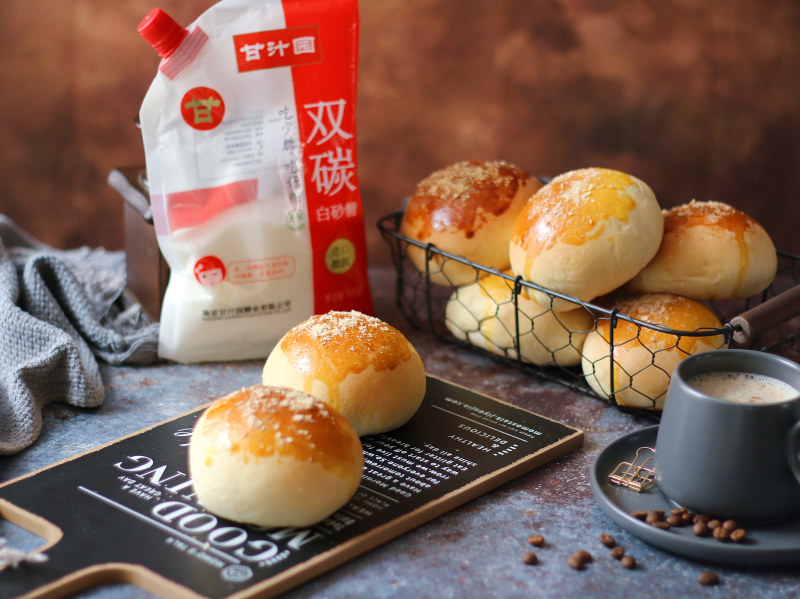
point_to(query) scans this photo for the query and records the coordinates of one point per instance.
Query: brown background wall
(700, 99)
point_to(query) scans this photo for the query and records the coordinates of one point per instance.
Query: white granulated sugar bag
(250, 148)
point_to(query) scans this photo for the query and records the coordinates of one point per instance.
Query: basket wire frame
(422, 303)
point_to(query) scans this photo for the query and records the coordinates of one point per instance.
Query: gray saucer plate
(773, 544)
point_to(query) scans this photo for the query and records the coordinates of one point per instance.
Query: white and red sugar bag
(250, 148)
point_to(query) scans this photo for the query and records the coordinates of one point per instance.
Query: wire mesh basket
(508, 326)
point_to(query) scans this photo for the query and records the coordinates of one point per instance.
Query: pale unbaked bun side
(273, 456)
(484, 314)
(363, 367)
(644, 358)
(586, 233)
(710, 251)
(467, 209)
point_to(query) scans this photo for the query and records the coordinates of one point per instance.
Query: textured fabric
(60, 311)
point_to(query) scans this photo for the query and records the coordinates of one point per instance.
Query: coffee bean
(628, 562)
(575, 562)
(674, 520)
(530, 558)
(708, 578)
(607, 540)
(617, 552)
(687, 517)
(677, 511)
(582, 555)
(701, 529)
(721, 533)
(738, 535)
(661, 524)
(714, 523)
(536, 540)
(639, 514)
(730, 525)
(654, 516)
(701, 518)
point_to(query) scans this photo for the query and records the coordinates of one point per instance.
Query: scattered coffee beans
(530, 558)
(579, 558)
(703, 525)
(708, 578)
(536, 540)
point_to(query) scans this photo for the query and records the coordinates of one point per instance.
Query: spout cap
(162, 32)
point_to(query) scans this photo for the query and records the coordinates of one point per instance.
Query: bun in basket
(274, 457)
(467, 209)
(585, 234)
(363, 367)
(484, 313)
(710, 251)
(645, 357)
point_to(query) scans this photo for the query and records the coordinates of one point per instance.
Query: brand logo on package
(277, 48)
(202, 108)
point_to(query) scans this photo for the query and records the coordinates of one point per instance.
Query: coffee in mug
(734, 458)
(743, 387)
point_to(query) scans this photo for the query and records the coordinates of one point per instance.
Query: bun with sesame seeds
(363, 367)
(584, 234)
(645, 357)
(274, 456)
(467, 209)
(710, 251)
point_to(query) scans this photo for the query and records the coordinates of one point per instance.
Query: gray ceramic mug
(730, 459)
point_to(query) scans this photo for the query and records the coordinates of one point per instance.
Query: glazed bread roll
(709, 251)
(363, 367)
(586, 233)
(274, 457)
(644, 357)
(484, 314)
(467, 209)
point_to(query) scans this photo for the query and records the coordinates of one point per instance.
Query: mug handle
(793, 442)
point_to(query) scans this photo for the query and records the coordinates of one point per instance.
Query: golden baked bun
(363, 367)
(467, 209)
(484, 314)
(644, 357)
(709, 251)
(586, 233)
(274, 457)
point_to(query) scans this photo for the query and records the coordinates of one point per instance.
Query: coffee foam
(743, 387)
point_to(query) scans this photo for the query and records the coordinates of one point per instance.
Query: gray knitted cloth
(60, 311)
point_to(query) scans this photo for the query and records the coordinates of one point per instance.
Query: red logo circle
(202, 108)
(209, 271)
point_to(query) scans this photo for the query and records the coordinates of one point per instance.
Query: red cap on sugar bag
(162, 32)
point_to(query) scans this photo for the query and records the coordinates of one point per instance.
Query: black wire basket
(507, 330)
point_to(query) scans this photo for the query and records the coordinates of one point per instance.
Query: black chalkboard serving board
(126, 512)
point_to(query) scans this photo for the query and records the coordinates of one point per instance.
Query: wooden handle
(763, 317)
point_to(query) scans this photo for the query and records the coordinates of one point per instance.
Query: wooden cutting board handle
(754, 322)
